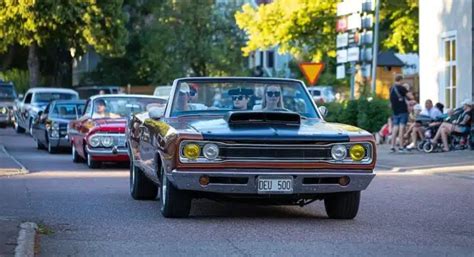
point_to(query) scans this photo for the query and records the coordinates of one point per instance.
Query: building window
(270, 59)
(450, 83)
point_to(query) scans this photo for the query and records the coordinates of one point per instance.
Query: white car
(162, 91)
(322, 94)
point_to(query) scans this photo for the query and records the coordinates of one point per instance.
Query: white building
(446, 51)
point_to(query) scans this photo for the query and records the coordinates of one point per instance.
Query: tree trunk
(8, 58)
(33, 65)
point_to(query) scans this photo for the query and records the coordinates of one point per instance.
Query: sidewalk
(415, 160)
(8, 165)
(8, 237)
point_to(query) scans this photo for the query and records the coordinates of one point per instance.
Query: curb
(8, 172)
(419, 171)
(26, 240)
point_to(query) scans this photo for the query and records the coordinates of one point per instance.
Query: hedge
(369, 114)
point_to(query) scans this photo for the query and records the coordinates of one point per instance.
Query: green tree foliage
(74, 24)
(19, 77)
(170, 39)
(306, 28)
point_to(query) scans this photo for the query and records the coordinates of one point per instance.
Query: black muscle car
(247, 139)
(50, 129)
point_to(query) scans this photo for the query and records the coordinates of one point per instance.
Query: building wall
(440, 18)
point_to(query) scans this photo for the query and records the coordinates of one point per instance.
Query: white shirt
(433, 112)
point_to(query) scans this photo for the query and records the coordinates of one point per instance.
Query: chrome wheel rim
(89, 160)
(164, 190)
(132, 176)
(73, 152)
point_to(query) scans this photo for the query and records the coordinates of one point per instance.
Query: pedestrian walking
(399, 97)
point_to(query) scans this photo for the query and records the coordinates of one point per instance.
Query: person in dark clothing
(399, 96)
(240, 98)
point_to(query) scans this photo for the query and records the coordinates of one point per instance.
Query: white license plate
(274, 185)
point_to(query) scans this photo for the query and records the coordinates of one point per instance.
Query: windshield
(69, 111)
(7, 92)
(162, 91)
(47, 97)
(122, 107)
(220, 97)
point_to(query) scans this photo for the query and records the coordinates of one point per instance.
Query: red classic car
(247, 139)
(99, 135)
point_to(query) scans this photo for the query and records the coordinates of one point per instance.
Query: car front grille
(275, 152)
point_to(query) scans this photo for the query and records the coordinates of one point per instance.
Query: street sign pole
(376, 47)
(352, 71)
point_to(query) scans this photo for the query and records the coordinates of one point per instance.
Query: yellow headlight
(191, 151)
(357, 152)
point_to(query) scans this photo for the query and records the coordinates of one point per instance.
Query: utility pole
(376, 46)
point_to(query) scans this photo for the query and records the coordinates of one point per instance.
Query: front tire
(343, 205)
(174, 203)
(428, 147)
(52, 149)
(75, 156)
(19, 129)
(91, 163)
(141, 188)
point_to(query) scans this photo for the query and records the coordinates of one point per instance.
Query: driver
(101, 110)
(240, 98)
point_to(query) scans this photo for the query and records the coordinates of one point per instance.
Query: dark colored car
(87, 91)
(50, 128)
(99, 134)
(267, 144)
(7, 102)
(35, 100)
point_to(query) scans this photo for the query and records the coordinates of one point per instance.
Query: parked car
(162, 91)
(7, 102)
(50, 128)
(99, 134)
(276, 152)
(35, 100)
(322, 94)
(87, 91)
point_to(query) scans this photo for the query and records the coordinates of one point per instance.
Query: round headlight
(54, 133)
(94, 141)
(55, 125)
(107, 141)
(357, 152)
(3, 110)
(339, 152)
(210, 151)
(191, 151)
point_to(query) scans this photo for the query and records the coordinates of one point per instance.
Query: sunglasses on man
(240, 98)
(273, 94)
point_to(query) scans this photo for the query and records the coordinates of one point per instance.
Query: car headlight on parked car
(339, 152)
(191, 151)
(210, 151)
(3, 110)
(357, 152)
(94, 141)
(107, 141)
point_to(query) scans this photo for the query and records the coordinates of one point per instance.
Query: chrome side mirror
(323, 110)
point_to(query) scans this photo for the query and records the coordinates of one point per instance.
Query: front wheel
(141, 188)
(75, 156)
(18, 129)
(428, 147)
(343, 205)
(52, 149)
(91, 163)
(419, 145)
(174, 203)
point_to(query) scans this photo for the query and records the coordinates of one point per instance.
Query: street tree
(76, 25)
(306, 28)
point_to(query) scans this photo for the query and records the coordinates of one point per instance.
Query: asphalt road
(86, 212)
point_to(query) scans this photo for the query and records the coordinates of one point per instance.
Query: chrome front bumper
(107, 151)
(245, 181)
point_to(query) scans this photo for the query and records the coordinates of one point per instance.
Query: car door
(24, 108)
(146, 147)
(78, 129)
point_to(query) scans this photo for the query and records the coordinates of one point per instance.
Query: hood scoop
(263, 118)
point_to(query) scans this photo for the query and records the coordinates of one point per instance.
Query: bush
(367, 114)
(19, 77)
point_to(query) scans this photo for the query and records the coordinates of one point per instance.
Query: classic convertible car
(50, 128)
(247, 139)
(99, 135)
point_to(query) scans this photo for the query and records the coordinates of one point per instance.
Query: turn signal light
(357, 152)
(191, 151)
(344, 181)
(204, 180)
